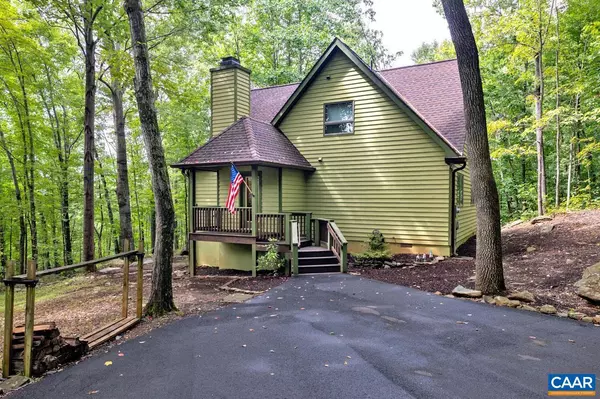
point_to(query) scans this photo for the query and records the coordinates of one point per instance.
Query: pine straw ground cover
(555, 260)
(86, 301)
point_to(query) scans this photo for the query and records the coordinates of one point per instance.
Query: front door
(323, 233)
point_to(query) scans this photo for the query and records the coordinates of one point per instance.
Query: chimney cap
(230, 62)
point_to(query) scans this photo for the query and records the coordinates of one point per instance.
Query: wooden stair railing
(338, 245)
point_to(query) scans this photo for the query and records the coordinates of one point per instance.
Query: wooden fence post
(140, 280)
(125, 281)
(29, 318)
(9, 303)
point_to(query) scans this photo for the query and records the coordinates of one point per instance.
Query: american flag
(234, 188)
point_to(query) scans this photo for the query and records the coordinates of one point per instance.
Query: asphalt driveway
(339, 336)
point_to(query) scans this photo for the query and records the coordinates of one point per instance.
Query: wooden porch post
(140, 281)
(9, 303)
(191, 200)
(29, 319)
(255, 207)
(125, 297)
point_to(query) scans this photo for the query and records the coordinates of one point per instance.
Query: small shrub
(271, 260)
(377, 253)
(376, 241)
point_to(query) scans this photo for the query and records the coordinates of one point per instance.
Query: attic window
(339, 118)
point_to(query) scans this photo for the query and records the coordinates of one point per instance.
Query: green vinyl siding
(269, 189)
(467, 221)
(206, 188)
(388, 175)
(230, 97)
(293, 193)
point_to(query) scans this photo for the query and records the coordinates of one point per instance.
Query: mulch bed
(260, 283)
(548, 271)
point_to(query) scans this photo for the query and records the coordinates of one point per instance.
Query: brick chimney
(229, 93)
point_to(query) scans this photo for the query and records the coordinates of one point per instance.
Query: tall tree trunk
(123, 196)
(539, 134)
(161, 295)
(488, 264)
(571, 156)
(111, 219)
(2, 248)
(55, 245)
(558, 138)
(89, 139)
(22, 226)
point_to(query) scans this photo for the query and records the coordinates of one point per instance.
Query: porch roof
(246, 142)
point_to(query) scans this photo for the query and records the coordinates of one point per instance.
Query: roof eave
(448, 148)
(217, 165)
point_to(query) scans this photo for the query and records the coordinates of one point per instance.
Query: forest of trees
(540, 62)
(72, 159)
(74, 176)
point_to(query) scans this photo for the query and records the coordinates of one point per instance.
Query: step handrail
(294, 242)
(338, 244)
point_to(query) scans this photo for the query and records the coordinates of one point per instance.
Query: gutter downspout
(462, 163)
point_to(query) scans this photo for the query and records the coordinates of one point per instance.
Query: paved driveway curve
(339, 336)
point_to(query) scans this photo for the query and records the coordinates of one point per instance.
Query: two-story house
(346, 151)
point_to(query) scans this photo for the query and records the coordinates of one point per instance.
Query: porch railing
(220, 220)
(270, 226)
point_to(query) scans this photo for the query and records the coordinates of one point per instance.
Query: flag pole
(244, 180)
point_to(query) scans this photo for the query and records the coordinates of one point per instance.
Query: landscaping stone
(576, 315)
(546, 228)
(548, 309)
(524, 296)
(562, 314)
(589, 285)
(466, 292)
(587, 319)
(513, 303)
(570, 261)
(387, 267)
(12, 383)
(531, 249)
(527, 307)
(501, 301)
(540, 219)
(596, 319)
(489, 299)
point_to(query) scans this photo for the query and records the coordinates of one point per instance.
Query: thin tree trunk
(2, 248)
(63, 150)
(558, 138)
(56, 260)
(89, 139)
(539, 134)
(488, 264)
(161, 295)
(109, 210)
(123, 195)
(22, 225)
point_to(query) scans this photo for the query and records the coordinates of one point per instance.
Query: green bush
(370, 255)
(376, 241)
(271, 260)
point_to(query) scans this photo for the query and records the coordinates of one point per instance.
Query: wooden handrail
(338, 245)
(30, 280)
(294, 242)
(61, 269)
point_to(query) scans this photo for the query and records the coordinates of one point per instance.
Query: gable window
(460, 190)
(339, 118)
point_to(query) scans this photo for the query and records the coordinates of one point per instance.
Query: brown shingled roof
(434, 91)
(266, 102)
(247, 141)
